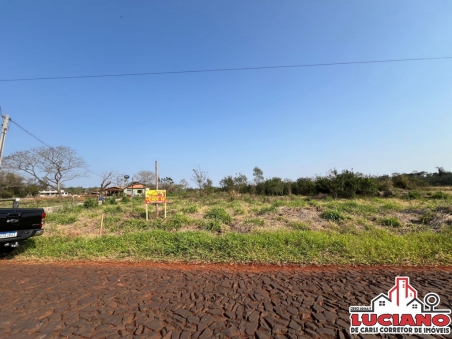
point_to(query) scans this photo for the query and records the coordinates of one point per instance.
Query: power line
(15, 123)
(42, 142)
(224, 69)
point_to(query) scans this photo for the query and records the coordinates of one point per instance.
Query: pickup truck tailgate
(14, 220)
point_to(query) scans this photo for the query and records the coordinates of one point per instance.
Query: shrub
(332, 215)
(111, 201)
(218, 213)
(401, 181)
(413, 195)
(440, 195)
(427, 217)
(391, 221)
(125, 199)
(90, 203)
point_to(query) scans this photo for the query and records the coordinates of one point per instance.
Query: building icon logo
(401, 312)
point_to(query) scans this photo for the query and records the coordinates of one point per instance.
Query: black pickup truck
(19, 224)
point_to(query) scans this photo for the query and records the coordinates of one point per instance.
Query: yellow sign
(156, 197)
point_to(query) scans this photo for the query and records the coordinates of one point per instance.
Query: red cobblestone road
(94, 300)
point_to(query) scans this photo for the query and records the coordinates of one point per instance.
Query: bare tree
(49, 166)
(107, 178)
(183, 184)
(199, 177)
(146, 178)
(441, 171)
(117, 179)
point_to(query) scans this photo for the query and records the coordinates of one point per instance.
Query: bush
(392, 222)
(111, 201)
(90, 203)
(427, 217)
(218, 213)
(332, 215)
(401, 181)
(440, 195)
(126, 199)
(413, 195)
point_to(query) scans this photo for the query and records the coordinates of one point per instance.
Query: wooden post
(156, 186)
(147, 213)
(165, 209)
(101, 224)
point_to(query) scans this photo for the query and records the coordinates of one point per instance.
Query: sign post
(155, 197)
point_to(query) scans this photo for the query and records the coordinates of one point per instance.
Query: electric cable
(42, 142)
(224, 69)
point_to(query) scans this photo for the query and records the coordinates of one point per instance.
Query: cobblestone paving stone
(134, 301)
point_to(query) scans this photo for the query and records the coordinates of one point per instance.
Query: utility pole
(3, 137)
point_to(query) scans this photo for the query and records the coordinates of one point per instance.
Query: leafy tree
(15, 185)
(304, 186)
(240, 182)
(258, 175)
(208, 186)
(167, 183)
(227, 183)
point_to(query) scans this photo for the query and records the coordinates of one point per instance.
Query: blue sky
(374, 118)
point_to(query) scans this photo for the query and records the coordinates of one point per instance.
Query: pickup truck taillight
(43, 220)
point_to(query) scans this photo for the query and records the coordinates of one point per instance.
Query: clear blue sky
(374, 118)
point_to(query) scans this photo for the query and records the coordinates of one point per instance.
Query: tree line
(344, 184)
(27, 172)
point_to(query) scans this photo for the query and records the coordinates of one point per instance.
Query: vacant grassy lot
(414, 228)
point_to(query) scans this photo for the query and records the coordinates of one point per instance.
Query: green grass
(254, 221)
(301, 247)
(61, 218)
(218, 213)
(267, 209)
(352, 207)
(390, 221)
(189, 209)
(332, 215)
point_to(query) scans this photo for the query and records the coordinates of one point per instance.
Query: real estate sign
(156, 197)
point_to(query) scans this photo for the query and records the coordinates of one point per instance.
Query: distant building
(136, 190)
(52, 193)
(114, 191)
